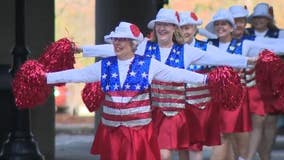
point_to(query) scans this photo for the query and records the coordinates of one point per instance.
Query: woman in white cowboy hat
(240, 15)
(263, 25)
(166, 45)
(126, 129)
(240, 140)
(222, 24)
(199, 107)
(262, 22)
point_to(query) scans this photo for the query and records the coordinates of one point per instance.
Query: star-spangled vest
(126, 104)
(168, 96)
(198, 95)
(272, 33)
(234, 47)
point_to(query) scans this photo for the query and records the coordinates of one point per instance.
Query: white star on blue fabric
(146, 86)
(108, 63)
(115, 86)
(127, 86)
(132, 73)
(114, 75)
(104, 76)
(137, 86)
(141, 63)
(232, 47)
(107, 87)
(144, 75)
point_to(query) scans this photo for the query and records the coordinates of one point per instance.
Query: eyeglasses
(120, 39)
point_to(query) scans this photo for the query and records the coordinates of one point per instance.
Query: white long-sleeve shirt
(157, 70)
(252, 48)
(192, 55)
(262, 34)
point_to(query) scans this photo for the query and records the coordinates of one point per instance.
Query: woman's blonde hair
(134, 45)
(177, 36)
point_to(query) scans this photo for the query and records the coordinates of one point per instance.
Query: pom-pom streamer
(225, 88)
(29, 85)
(270, 81)
(58, 56)
(92, 96)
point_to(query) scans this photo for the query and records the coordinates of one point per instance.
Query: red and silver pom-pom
(270, 80)
(225, 87)
(58, 56)
(93, 96)
(29, 85)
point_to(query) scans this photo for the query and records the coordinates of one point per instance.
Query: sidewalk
(68, 124)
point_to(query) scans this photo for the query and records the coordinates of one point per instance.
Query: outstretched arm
(163, 72)
(215, 57)
(90, 73)
(253, 48)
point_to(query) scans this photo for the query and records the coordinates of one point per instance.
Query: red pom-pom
(225, 88)
(92, 96)
(29, 85)
(270, 81)
(58, 56)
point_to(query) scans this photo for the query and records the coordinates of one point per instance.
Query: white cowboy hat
(262, 10)
(125, 30)
(189, 18)
(222, 14)
(165, 15)
(238, 11)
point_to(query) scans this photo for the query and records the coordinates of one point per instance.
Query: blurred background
(75, 19)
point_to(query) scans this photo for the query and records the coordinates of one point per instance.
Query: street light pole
(20, 144)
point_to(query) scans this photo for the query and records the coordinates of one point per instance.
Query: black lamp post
(20, 144)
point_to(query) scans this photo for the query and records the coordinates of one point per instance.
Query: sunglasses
(120, 39)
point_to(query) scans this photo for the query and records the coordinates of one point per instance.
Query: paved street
(74, 139)
(76, 147)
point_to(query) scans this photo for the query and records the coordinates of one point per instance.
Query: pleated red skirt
(204, 126)
(238, 120)
(244, 122)
(126, 143)
(173, 132)
(256, 103)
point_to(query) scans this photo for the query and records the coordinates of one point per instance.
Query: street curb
(74, 128)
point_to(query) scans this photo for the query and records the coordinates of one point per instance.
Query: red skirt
(244, 123)
(126, 143)
(173, 132)
(238, 120)
(256, 103)
(204, 126)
